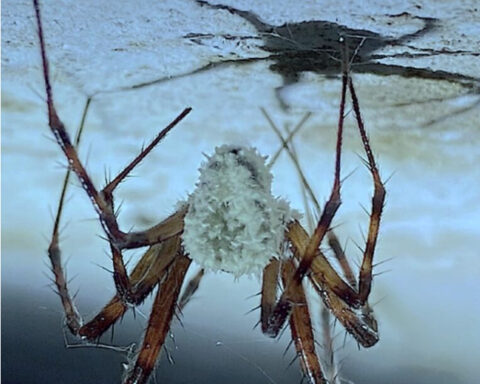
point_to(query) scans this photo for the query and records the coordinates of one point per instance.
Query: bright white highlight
(233, 223)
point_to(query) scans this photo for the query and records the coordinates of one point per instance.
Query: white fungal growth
(233, 222)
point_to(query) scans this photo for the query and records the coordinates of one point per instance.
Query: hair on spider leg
(294, 359)
(384, 261)
(109, 271)
(254, 295)
(382, 272)
(288, 347)
(256, 325)
(282, 331)
(51, 285)
(107, 175)
(168, 355)
(252, 310)
(178, 316)
(373, 305)
(74, 296)
(69, 280)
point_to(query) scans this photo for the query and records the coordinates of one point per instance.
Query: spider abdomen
(233, 222)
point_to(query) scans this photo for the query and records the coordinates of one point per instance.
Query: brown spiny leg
(146, 274)
(72, 317)
(103, 200)
(378, 200)
(360, 324)
(163, 310)
(348, 297)
(171, 226)
(329, 366)
(150, 270)
(320, 265)
(283, 306)
(301, 328)
(333, 241)
(300, 323)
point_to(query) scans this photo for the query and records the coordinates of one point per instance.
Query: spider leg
(332, 238)
(300, 323)
(103, 200)
(339, 296)
(334, 201)
(163, 310)
(283, 306)
(72, 316)
(320, 266)
(150, 271)
(359, 322)
(110, 187)
(378, 200)
(345, 302)
(323, 274)
(145, 275)
(301, 329)
(171, 226)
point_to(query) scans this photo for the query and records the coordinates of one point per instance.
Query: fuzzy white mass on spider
(233, 222)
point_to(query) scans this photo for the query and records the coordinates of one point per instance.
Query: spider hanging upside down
(231, 222)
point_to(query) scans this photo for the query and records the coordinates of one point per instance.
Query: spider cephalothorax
(233, 222)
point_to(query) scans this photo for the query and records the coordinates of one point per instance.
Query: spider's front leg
(103, 200)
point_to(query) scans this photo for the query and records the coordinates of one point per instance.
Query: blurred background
(415, 67)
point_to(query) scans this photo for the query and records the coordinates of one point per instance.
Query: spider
(231, 222)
